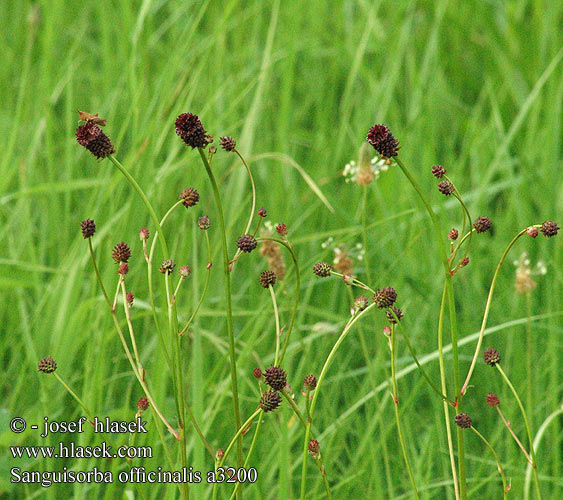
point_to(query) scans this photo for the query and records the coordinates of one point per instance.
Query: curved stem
(228, 303)
(250, 450)
(253, 207)
(205, 288)
(146, 201)
(499, 465)
(130, 324)
(413, 354)
(235, 439)
(395, 388)
(444, 390)
(277, 317)
(297, 291)
(354, 281)
(537, 440)
(487, 309)
(528, 430)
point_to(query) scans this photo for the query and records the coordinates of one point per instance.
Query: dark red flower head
(382, 140)
(549, 228)
(191, 131)
(88, 228)
(228, 143)
(94, 140)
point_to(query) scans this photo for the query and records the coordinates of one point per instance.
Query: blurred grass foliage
(476, 86)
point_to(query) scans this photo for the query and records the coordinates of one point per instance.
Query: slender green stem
(205, 288)
(130, 324)
(294, 406)
(526, 425)
(446, 406)
(529, 358)
(514, 436)
(277, 317)
(413, 354)
(395, 388)
(250, 450)
(75, 396)
(354, 281)
(364, 232)
(297, 291)
(487, 309)
(453, 322)
(499, 465)
(228, 304)
(146, 201)
(351, 322)
(235, 439)
(252, 208)
(98, 275)
(128, 352)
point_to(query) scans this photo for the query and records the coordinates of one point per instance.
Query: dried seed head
(492, 357)
(142, 404)
(446, 188)
(453, 234)
(94, 140)
(190, 197)
(360, 303)
(185, 272)
(482, 224)
(463, 420)
(281, 229)
(144, 234)
(275, 377)
(123, 269)
(549, 228)
(309, 383)
(47, 365)
(267, 278)
(322, 269)
(262, 212)
(228, 143)
(532, 231)
(191, 131)
(314, 448)
(129, 297)
(270, 401)
(167, 266)
(88, 228)
(390, 316)
(385, 297)
(383, 141)
(492, 400)
(121, 252)
(204, 223)
(438, 171)
(247, 243)
(257, 373)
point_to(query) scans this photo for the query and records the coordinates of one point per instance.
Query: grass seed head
(391, 317)
(446, 188)
(385, 297)
(453, 234)
(438, 171)
(309, 383)
(492, 400)
(482, 224)
(189, 197)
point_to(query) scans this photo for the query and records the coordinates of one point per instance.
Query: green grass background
(476, 86)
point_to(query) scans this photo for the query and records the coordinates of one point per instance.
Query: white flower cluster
(352, 170)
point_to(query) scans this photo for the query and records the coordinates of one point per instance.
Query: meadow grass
(475, 86)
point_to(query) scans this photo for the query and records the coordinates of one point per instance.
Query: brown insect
(87, 117)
